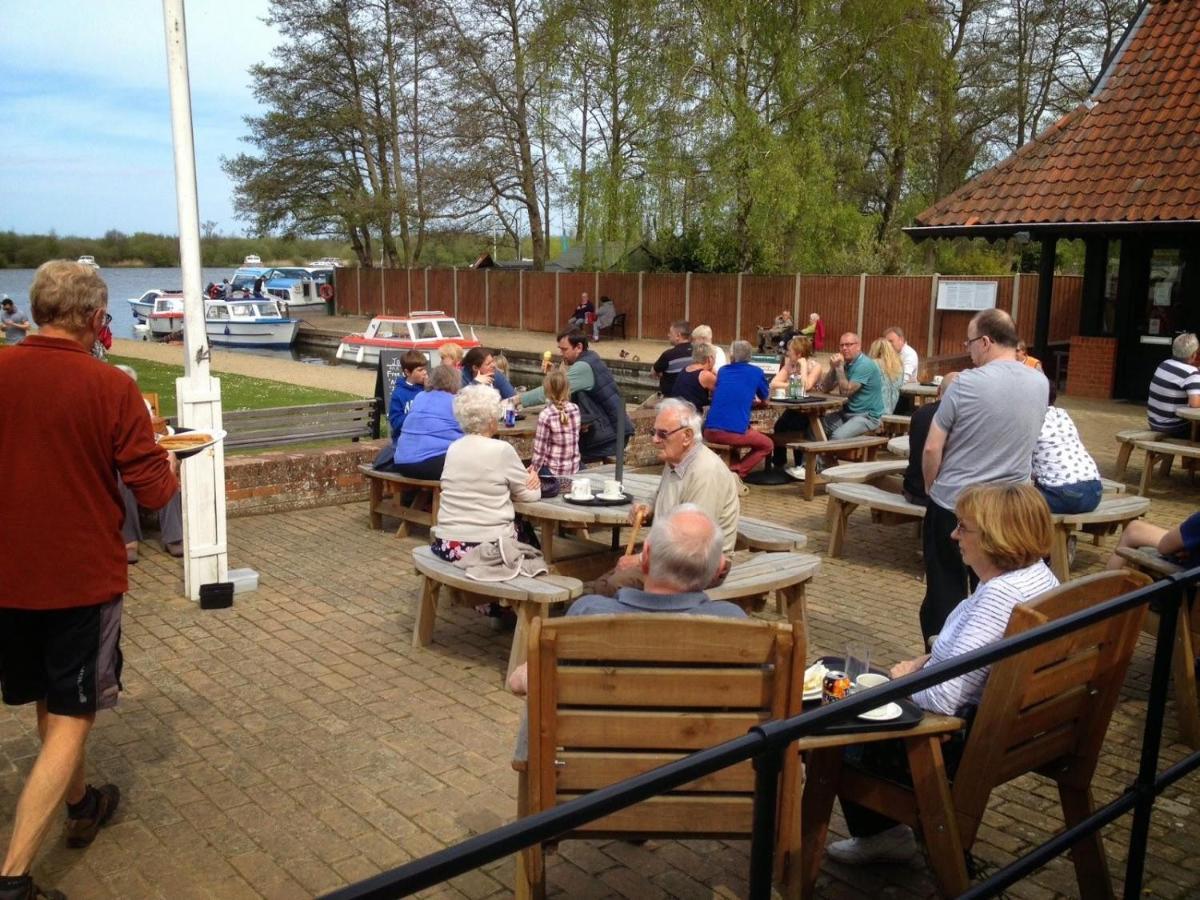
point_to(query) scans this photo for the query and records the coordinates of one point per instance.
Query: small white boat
(142, 306)
(251, 260)
(327, 262)
(249, 323)
(88, 261)
(166, 319)
(423, 329)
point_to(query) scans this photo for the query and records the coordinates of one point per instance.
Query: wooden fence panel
(663, 304)
(471, 293)
(504, 303)
(714, 303)
(539, 301)
(370, 291)
(1065, 305)
(441, 289)
(763, 298)
(897, 300)
(835, 297)
(345, 291)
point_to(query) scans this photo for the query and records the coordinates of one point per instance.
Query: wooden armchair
(613, 696)
(1045, 710)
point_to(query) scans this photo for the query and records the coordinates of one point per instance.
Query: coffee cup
(937, 380)
(612, 489)
(779, 393)
(870, 680)
(581, 488)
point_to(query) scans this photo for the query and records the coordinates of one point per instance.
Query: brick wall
(1092, 367)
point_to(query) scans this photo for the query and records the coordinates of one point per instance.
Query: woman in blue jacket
(429, 428)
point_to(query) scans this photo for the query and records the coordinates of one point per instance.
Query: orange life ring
(327, 292)
(214, 291)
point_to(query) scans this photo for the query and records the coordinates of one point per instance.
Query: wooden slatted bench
(750, 580)
(886, 509)
(1166, 451)
(860, 449)
(864, 472)
(898, 446)
(1112, 513)
(755, 534)
(352, 419)
(528, 596)
(386, 499)
(1125, 442)
(893, 425)
(731, 454)
(1108, 486)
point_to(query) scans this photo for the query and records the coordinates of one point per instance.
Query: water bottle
(794, 387)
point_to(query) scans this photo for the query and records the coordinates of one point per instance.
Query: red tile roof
(1131, 153)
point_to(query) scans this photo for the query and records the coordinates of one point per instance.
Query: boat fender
(327, 292)
(214, 291)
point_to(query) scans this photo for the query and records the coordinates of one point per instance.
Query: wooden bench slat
(865, 472)
(846, 497)
(755, 534)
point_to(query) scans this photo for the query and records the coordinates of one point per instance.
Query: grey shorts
(70, 658)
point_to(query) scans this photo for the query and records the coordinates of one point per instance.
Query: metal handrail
(765, 745)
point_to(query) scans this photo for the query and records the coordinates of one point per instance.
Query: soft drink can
(510, 417)
(835, 686)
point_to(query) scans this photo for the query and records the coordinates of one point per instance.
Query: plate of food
(183, 443)
(814, 676)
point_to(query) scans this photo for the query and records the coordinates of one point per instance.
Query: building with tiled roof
(1122, 172)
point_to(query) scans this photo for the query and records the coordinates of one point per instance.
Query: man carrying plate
(69, 424)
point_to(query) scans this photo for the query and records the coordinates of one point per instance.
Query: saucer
(617, 495)
(884, 713)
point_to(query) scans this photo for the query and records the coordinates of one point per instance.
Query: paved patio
(298, 742)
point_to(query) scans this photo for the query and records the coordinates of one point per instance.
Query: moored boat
(253, 322)
(292, 286)
(424, 329)
(88, 261)
(252, 259)
(166, 319)
(142, 306)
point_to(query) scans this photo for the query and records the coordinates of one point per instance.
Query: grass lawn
(237, 391)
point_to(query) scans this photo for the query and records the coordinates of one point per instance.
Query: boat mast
(198, 394)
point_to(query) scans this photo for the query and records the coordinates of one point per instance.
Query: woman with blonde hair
(451, 354)
(892, 369)
(702, 334)
(791, 425)
(1003, 533)
(556, 441)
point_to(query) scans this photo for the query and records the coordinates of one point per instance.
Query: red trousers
(760, 446)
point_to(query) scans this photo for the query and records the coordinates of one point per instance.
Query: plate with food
(814, 676)
(183, 443)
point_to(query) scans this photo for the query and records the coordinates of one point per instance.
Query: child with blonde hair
(556, 441)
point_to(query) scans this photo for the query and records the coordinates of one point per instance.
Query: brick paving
(298, 742)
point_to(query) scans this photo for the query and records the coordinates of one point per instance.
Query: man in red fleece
(69, 424)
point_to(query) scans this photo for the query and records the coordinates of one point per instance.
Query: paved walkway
(298, 741)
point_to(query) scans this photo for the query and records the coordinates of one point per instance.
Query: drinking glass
(858, 660)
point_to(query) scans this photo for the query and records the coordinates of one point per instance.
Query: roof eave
(1047, 229)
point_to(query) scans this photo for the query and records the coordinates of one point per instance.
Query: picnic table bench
(864, 472)
(755, 534)
(528, 596)
(1165, 450)
(898, 446)
(1112, 513)
(386, 499)
(750, 580)
(886, 508)
(858, 448)
(1125, 442)
(893, 425)
(353, 419)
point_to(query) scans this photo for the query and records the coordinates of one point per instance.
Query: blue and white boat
(142, 306)
(293, 286)
(249, 322)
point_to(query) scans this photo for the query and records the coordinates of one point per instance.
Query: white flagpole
(197, 392)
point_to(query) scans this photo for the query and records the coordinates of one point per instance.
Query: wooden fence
(733, 305)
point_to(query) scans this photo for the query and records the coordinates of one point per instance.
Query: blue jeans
(1080, 497)
(840, 425)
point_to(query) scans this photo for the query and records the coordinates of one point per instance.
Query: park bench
(894, 426)
(861, 449)
(1125, 442)
(353, 419)
(1112, 513)
(750, 580)
(387, 499)
(864, 472)
(755, 534)
(1166, 451)
(886, 508)
(618, 324)
(528, 596)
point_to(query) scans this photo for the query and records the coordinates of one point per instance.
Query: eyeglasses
(961, 527)
(662, 434)
(969, 341)
(108, 318)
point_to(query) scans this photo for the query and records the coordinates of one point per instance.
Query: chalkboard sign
(389, 372)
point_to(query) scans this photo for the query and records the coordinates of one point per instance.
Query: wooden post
(382, 290)
(358, 288)
(862, 300)
(687, 296)
(933, 292)
(454, 283)
(596, 287)
(557, 304)
(426, 303)
(795, 303)
(408, 286)
(1041, 329)
(1016, 301)
(487, 300)
(521, 299)
(737, 314)
(640, 299)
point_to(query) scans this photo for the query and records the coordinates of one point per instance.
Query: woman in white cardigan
(480, 480)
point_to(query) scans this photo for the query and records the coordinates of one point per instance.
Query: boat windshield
(218, 311)
(449, 328)
(424, 331)
(242, 282)
(397, 330)
(301, 274)
(264, 309)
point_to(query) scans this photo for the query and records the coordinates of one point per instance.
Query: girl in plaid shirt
(556, 441)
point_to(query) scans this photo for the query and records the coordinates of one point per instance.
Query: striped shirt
(1173, 383)
(979, 620)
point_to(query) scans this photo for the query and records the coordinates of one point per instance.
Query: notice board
(971, 296)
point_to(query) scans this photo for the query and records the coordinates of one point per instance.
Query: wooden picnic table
(815, 407)
(1190, 414)
(520, 435)
(920, 393)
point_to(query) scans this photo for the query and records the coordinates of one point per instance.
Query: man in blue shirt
(739, 384)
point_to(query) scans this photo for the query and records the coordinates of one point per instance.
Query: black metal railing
(766, 744)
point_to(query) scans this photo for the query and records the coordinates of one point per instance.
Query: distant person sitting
(1176, 382)
(679, 559)
(769, 338)
(891, 370)
(1063, 470)
(429, 428)
(416, 371)
(815, 331)
(479, 367)
(1025, 359)
(855, 375)
(702, 334)
(605, 316)
(675, 358)
(584, 314)
(739, 385)
(918, 430)
(695, 383)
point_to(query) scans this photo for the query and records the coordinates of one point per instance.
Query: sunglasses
(662, 434)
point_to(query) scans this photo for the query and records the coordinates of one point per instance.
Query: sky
(85, 121)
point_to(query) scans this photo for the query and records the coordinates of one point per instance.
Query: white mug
(581, 488)
(612, 488)
(871, 679)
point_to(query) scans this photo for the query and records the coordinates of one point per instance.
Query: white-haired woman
(702, 334)
(480, 479)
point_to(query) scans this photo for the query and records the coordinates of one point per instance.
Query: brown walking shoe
(82, 831)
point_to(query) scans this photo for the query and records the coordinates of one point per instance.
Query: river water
(132, 283)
